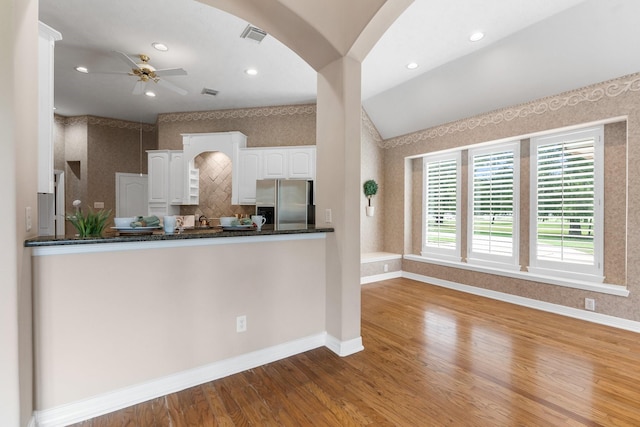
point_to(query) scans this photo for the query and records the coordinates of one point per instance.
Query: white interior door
(131, 194)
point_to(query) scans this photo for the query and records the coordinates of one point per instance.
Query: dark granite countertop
(160, 235)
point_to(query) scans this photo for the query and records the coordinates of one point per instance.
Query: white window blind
(493, 204)
(440, 211)
(567, 204)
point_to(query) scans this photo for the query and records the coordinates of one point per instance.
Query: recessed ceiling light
(251, 71)
(412, 65)
(160, 46)
(150, 94)
(478, 35)
(82, 69)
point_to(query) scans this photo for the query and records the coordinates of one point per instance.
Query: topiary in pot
(370, 188)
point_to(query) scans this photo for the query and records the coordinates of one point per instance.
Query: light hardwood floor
(433, 357)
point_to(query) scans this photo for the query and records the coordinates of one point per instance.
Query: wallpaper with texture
(615, 101)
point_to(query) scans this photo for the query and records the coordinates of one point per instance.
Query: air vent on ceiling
(207, 91)
(253, 33)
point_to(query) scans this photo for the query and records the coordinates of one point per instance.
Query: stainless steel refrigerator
(287, 204)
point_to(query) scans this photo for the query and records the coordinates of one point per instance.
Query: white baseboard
(576, 313)
(344, 348)
(114, 400)
(379, 277)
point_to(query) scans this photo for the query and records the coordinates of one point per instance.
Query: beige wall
(164, 311)
(617, 99)
(264, 127)
(91, 150)
(372, 167)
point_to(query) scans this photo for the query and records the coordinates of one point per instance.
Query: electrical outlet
(98, 205)
(241, 323)
(386, 268)
(590, 304)
(327, 216)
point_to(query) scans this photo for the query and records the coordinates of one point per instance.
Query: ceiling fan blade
(171, 86)
(124, 57)
(121, 73)
(138, 89)
(171, 72)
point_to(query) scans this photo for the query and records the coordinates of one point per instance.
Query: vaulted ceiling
(531, 49)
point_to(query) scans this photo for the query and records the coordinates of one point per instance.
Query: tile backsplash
(215, 188)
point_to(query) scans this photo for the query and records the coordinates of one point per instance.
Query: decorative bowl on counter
(226, 221)
(123, 221)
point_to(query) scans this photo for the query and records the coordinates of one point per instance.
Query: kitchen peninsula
(121, 320)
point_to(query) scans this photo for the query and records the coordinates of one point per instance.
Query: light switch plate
(98, 205)
(28, 218)
(327, 216)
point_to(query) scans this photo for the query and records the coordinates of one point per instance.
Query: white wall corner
(111, 401)
(344, 348)
(379, 277)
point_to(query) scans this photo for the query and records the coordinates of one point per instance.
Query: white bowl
(123, 221)
(226, 221)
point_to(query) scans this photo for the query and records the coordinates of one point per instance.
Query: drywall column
(338, 184)
(19, 140)
(9, 388)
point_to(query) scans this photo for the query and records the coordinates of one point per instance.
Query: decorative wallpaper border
(371, 129)
(102, 121)
(241, 113)
(593, 93)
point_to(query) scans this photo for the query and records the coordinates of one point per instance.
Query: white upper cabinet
(47, 38)
(166, 181)
(250, 170)
(177, 177)
(275, 163)
(158, 190)
(302, 163)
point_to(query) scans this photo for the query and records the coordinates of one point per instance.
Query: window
(566, 204)
(441, 221)
(493, 204)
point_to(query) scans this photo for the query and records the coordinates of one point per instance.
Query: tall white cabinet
(165, 171)
(47, 38)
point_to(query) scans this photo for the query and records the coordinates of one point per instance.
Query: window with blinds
(441, 221)
(566, 201)
(493, 204)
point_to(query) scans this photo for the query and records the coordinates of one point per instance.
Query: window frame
(511, 262)
(451, 254)
(565, 269)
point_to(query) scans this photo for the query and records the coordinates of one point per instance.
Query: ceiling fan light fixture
(82, 69)
(160, 46)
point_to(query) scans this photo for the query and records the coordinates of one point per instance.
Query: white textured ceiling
(533, 48)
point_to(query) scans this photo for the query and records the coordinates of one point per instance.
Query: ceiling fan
(147, 73)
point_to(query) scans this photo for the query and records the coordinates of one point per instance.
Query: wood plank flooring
(433, 357)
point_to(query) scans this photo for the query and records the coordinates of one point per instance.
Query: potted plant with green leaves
(90, 223)
(370, 188)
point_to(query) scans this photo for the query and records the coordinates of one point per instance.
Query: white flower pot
(370, 210)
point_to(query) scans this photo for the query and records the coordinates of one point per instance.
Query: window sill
(602, 288)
